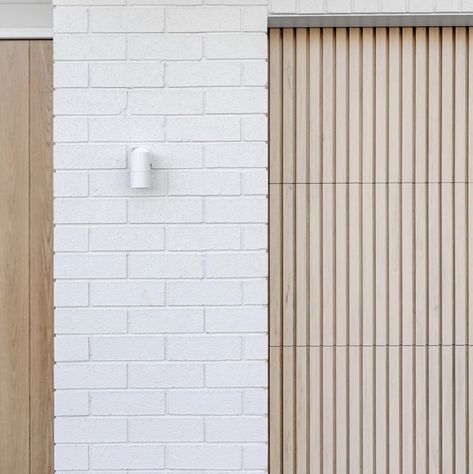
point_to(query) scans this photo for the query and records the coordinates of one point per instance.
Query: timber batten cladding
(370, 250)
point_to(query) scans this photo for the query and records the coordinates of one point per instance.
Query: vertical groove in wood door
(14, 257)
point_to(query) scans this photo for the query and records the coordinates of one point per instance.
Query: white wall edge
(26, 33)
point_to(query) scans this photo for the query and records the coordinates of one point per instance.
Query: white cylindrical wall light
(139, 163)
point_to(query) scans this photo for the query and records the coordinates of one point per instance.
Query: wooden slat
(328, 410)
(14, 257)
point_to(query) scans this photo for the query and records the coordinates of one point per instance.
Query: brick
(339, 6)
(203, 292)
(206, 237)
(70, 74)
(71, 129)
(367, 6)
(205, 128)
(255, 237)
(166, 320)
(90, 375)
(311, 6)
(164, 47)
(71, 293)
(255, 182)
(236, 374)
(165, 210)
(236, 429)
(127, 348)
(233, 320)
(255, 73)
(166, 430)
(126, 456)
(70, 20)
(177, 155)
(283, 6)
(70, 457)
(447, 5)
(255, 19)
(165, 2)
(396, 5)
(127, 74)
(89, 156)
(236, 155)
(208, 402)
(89, 2)
(255, 347)
(166, 102)
(126, 293)
(423, 5)
(127, 20)
(208, 73)
(203, 457)
(118, 129)
(127, 402)
(89, 47)
(234, 210)
(71, 403)
(204, 183)
(89, 266)
(127, 238)
(236, 46)
(203, 348)
(255, 457)
(255, 402)
(255, 128)
(255, 292)
(89, 211)
(71, 348)
(71, 239)
(236, 265)
(90, 430)
(117, 183)
(165, 375)
(90, 321)
(205, 19)
(165, 266)
(71, 184)
(89, 102)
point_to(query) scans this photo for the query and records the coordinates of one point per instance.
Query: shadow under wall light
(139, 164)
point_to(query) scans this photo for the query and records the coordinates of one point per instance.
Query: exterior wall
(161, 295)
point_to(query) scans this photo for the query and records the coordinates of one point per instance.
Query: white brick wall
(161, 294)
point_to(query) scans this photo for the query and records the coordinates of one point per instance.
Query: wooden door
(26, 304)
(371, 246)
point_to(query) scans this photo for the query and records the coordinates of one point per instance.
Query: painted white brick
(255, 347)
(126, 456)
(89, 101)
(204, 183)
(206, 19)
(203, 348)
(283, 6)
(229, 101)
(203, 238)
(236, 429)
(203, 457)
(255, 73)
(164, 47)
(89, 211)
(236, 46)
(70, 457)
(89, 156)
(127, 74)
(236, 155)
(205, 128)
(71, 293)
(168, 430)
(234, 210)
(166, 320)
(447, 5)
(393, 5)
(255, 182)
(255, 19)
(70, 74)
(255, 292)
(71, 129)
(126, 238)
(236, 319)
(166, 102)
(90, 430)
(208, 402)
(203, 292)
(236, 265)
(311, 6)
(365, 6)
(89, 2)
(71, 184)
(127, 403)
(71, 239)
(89, 266)
(165, 2)
(165, 210)
(89, 47)
(127, 348)
(255, 128)
(90, 321)
(90, 375)
(71, 348)
(255, 402)
(339, 6)
(255, 237)
(177, 155)
(206, 73)
(107, 183)
(71, 403)
(165, 375)
(165, 266)
(422, 5)
(126, 293)
(110, 129)
(255, 457)
(126, 20)
(70, 20)
(236, 374)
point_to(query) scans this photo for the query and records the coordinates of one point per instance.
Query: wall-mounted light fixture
(139, 163)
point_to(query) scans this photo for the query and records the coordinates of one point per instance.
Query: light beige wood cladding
(26, 280)
(371, 245)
